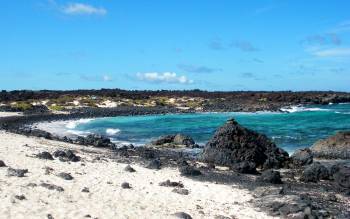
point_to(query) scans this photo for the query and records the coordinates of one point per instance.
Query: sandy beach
(103, 178)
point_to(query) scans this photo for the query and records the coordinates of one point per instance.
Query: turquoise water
(300, 128)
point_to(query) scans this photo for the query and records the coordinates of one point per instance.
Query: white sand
(7, 114)
(103, 177)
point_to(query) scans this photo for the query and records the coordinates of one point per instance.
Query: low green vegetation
(22, 106)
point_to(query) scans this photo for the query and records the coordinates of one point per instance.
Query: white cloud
(165, 77)
(106, 78)
(83, 9)
(336, 52)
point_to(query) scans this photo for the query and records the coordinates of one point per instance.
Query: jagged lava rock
(302, 157)
(232, 143)
(334, 147)
(314, 172)
(178, 140)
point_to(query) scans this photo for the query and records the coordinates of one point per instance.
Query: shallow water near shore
(294, 128)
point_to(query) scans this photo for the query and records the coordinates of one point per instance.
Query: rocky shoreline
(283, 186)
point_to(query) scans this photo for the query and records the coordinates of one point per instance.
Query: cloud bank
(165, 77)
(83, 9)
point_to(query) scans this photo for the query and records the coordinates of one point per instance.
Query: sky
(222, 45)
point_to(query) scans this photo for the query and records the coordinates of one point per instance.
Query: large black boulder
(314, 172)
(232, 143)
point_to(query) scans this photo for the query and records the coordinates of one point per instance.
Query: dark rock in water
(85, 189)
(271, 176)
(2, 163)
(20, 197)
(52, 187)
(233, 143)
(126, 185)
(16, 172)
(66, 155)
(186, 140)
(128, 168)
(342, 177)
(65, 176)
(94, 140)
(181, 191)
(187, 170)
(169, 183)
(245, 167)
(44, 155)
(154, 164)
(302, 157)
(166, 139)
(314, 172)
(334, 147)
(178, 140)
(182, 215)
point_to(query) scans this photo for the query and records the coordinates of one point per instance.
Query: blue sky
(182, 44)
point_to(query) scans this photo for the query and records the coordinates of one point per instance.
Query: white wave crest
(294, 109)
(111, 131)
(74, 123)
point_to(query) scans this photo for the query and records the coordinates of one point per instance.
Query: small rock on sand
(52, 187)
(66, 156)
(126, 185)
(182, 215)
(181, 191)
(85, 189)
(65, 176)
(2, 163)
(128, 168)
(168, 183)
(16, 172)
(44, 155)
(20, 197)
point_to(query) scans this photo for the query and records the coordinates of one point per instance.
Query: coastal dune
(95, 190)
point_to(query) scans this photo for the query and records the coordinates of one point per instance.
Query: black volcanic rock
(302, 157)
(154, 164)
(2, 163)
(245, 167)
(16, 172)
(342, 176)
(271, 176)
(94, 140)
(334, 147)
(314, 172)
(178, 140)
(68, 155)
(232, 143)
(44, 155)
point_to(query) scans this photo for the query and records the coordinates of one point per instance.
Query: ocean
(293, 128)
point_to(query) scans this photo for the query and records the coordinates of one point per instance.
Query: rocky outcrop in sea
(334, 147)
(233, 144)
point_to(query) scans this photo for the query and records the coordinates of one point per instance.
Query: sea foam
(111, 131)
(294, 109)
